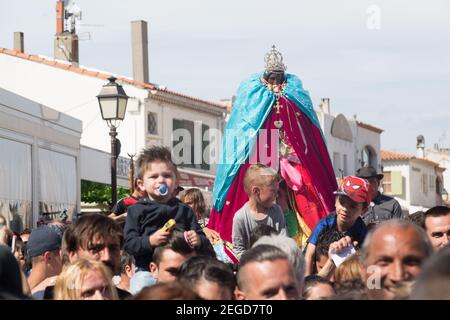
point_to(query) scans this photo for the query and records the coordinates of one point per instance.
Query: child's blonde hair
(259, 175)
(349, 270)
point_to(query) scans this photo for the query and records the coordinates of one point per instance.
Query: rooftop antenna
(442, 138)
(72, 16)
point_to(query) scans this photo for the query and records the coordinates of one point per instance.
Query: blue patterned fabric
(253, 104)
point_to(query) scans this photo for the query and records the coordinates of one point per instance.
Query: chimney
(59, 16)
(325, 105)
(18, 42)
(66, 42)
(139, 45)
(420, 146)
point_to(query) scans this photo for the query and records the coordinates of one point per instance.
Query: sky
(385, 61)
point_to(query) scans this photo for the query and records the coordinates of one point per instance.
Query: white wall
(418, 197)
(361, 138)
(443, 158)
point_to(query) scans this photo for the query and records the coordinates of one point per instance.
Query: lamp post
(113, 105)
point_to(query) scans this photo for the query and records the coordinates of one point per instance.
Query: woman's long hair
(69, 282)
(194, 198)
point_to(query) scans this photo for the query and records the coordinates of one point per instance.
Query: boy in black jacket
(157, 175)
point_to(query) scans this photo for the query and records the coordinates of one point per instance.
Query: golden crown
(274, 60)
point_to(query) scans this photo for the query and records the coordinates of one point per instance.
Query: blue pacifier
(163, 190)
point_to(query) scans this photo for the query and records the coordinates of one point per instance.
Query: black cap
(42, 239)
(368, 172)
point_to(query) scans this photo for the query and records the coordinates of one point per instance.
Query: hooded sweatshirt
(147, 216)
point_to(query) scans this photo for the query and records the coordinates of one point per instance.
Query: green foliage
(94, 192)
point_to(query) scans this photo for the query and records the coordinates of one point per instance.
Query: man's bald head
(393, 254)
(390, 227)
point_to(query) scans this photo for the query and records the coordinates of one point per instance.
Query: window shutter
(396, 183)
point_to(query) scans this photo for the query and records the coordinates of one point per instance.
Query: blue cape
(253, 104)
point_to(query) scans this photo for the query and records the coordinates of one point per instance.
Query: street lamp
(113, 105)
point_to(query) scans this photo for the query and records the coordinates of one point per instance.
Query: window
(344, 158)
(432, 182)
(368, 157)
(152, 123)
(438, 186)
(337, 164)
(188, 144)
(387, 183)
(392, 183)
(16, 192)
(424, 183)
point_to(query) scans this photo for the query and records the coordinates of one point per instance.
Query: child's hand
(341, 244)
(158, 237)
(192, 238)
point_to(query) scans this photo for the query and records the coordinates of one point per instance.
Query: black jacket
(146, 217)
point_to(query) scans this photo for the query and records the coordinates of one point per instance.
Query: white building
(351, 143)
(414, 181)
(39, 161)
(442, 157)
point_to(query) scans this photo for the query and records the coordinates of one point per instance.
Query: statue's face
(275, 78)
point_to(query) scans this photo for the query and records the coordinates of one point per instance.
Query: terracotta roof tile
(23, 55)
(35, 58)
(62, 65)
(76, 69)
(10, 52)
(394, 155)
(90, 72)
(369, 127)
(103, 76)
(100, 75)
(49, 62)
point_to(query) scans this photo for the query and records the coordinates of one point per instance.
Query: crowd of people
(388, 256)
